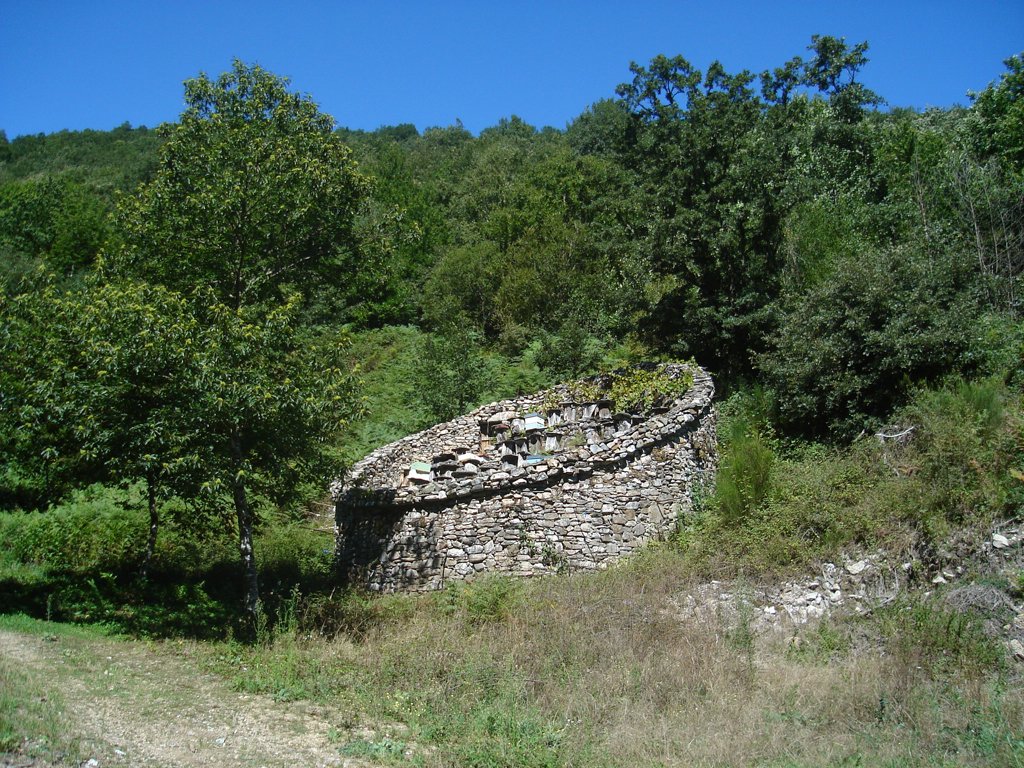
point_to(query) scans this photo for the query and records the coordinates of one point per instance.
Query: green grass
(32, 721)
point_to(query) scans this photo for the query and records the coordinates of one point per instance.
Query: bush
(97, 530)
(960, 451)
(850, 348)
(959, 462)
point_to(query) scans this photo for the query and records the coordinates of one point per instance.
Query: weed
(927, 636)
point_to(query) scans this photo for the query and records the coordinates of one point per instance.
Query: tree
(103, 379)
(709, 171)
(254, 196)
(453, 373)
(1001, 107)
(253, 192)
(270, 399)
(55, 219)
(849, 348)
(833, 69)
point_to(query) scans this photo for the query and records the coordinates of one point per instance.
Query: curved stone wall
(536, 484)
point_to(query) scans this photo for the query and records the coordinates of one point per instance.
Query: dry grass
(597, 670)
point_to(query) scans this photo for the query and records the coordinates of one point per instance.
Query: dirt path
(138, 704)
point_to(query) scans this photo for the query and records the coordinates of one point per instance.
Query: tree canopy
(253, 192)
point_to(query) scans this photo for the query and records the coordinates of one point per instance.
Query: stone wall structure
(532, 485)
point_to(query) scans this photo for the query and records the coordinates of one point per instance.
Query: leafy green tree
(135, 383)
(848, 349)
(106, 379)
(453, 373)
(56, 220)
(253, 192)
(269, 400)
(833, 69)
(710, 182)
(38, 451)
(254, 196)
(1001, 108)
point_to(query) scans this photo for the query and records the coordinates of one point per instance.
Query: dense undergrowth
(952, 458)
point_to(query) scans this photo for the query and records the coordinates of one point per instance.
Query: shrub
(849, 348)
(744, 477)
(961, 451)
(98, 529)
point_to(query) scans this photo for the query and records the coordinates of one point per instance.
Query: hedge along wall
(537, 484)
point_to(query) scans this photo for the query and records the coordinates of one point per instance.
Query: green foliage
(640, 389)
(937, 639)
(847, 348)
(253, 192)
(964, 449)
(570, 352)
(952, 458)
(96, 530)
(745, 473)
(57, 220)
(293, 554)
(488, 599)
(1001, 108)
(453, 372)
(389, 371)
(106, 161)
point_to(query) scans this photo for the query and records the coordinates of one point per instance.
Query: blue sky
(75, 65)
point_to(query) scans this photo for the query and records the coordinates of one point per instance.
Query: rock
(999, 541)
(939, 579)
(855, 569)
(1017, 650)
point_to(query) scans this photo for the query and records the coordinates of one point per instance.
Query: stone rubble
(856, 586)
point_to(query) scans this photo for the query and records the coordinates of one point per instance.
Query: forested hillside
(223, 311)
(203, 324)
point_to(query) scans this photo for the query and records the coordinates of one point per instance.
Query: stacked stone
(581, 508)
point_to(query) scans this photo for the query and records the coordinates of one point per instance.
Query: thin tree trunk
(245, 530)
(154, 526)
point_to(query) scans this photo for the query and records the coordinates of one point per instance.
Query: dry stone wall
(533, 485)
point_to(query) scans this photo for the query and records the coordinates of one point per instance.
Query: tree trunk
(154, 527)
(245, 526)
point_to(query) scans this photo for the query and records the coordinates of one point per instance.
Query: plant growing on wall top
(636, 390)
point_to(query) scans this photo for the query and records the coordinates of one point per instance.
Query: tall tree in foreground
(254, 196)
(270, 397)
(254, 192)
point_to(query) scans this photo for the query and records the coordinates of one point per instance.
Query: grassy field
(584, 670)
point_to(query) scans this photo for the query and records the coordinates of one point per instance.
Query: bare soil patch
(149, 704)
